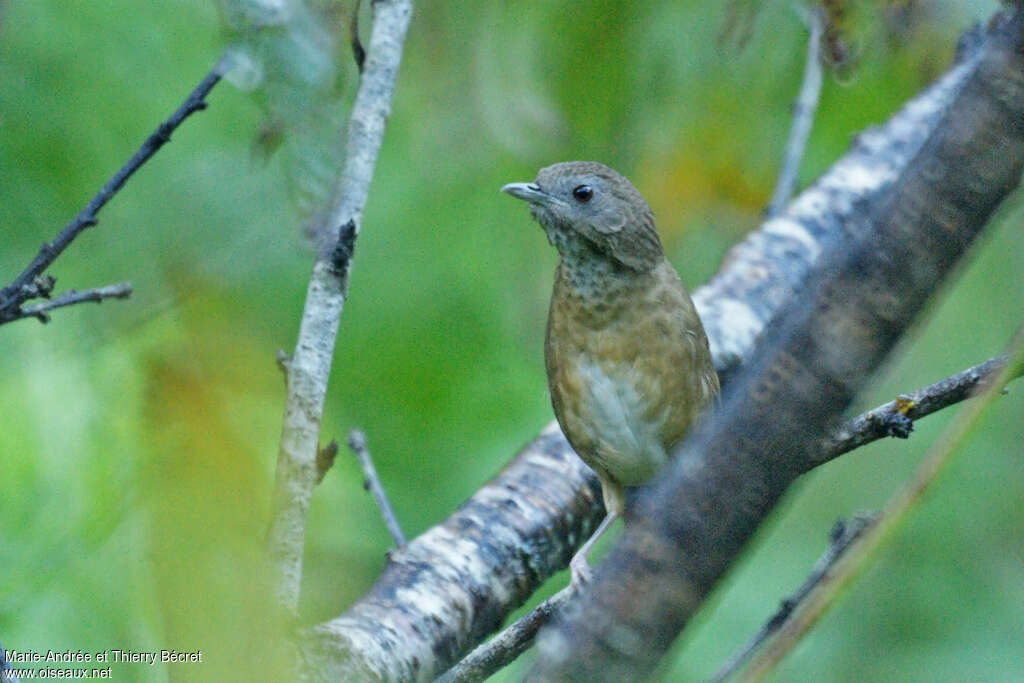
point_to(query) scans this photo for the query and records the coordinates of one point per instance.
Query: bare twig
(25, 286)
(896, 418)
(504, 648)
(896, 511)
(357, 442)
(121, 290)
(843, 535)
(310, 365)
(804, 110)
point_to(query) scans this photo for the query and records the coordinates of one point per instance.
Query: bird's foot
(580, 572)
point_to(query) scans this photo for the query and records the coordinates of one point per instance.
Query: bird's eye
(583, 193)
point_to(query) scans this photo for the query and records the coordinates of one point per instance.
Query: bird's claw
(580, 572)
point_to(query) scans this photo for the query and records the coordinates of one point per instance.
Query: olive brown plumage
(628, 364)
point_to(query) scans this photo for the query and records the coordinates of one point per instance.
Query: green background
(138, 438)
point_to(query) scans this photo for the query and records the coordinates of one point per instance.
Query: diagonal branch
(24, 286)
(843, 535)
(504, 648)
(309, 368)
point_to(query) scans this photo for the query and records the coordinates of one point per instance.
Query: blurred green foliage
(138, 438)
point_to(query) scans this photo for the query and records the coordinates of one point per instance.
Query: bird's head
(589, 211)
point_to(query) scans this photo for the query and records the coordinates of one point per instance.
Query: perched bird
(627, 358)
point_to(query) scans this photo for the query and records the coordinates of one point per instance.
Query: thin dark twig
(896, 418)
(121, 290)
(357, 442)
(22, 289)
(842, 536)
(804, 110)
(504, 648)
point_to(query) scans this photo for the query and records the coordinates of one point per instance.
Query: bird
(628, 364)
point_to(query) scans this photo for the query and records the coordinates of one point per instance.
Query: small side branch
(357, 442)
(843, 535)
(504, 648)
(896, 418)
(804, 110)
(24, 286)
(358, 51)
(121, 290)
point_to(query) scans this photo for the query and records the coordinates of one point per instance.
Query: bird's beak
(529, 192)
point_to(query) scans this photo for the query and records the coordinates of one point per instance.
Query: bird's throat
(597, 289)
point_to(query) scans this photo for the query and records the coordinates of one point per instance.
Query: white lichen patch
(743, 324)
(791, 229)
(863, 178)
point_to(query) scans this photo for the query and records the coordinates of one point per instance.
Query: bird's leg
(579, 569)
(614, 503)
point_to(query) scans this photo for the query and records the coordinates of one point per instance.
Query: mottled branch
(766, 269)
(895, 418)
(866, 547)
(446, 590)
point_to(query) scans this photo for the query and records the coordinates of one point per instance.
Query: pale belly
(624, 427)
